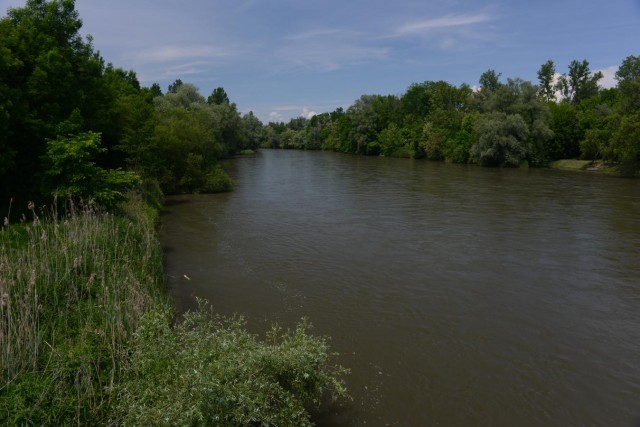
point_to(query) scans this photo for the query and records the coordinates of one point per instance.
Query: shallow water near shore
(457, 295)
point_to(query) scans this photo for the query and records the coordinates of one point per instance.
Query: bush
(501, 140)
(217, 181)
(208, 370)
(72, 171)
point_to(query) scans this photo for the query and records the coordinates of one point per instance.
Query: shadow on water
(177, 202)
(335, 414)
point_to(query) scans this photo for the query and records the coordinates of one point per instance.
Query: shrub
(208, 370)
(501, 140)
(72, 171)
(217, 180)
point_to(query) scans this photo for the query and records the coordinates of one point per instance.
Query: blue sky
(285, 58)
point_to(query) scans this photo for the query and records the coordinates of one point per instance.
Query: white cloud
(307, 114)
(275, 116)
(609, 79)
(443, 23)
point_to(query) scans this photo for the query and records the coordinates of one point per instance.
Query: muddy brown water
(457, 295)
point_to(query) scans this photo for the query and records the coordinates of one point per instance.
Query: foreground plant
(72, 291)
(209, 371)
(88, 338)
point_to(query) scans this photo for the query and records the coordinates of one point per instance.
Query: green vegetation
(71, 125)
(86, 333)
(571, 164)
(209, 370)
(73, 290)
(505, 124)
(87, 337)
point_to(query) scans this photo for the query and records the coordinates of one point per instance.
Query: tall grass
(73, 288)
(88, 338)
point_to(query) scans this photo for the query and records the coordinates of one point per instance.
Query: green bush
(208, 370)
(217, 181)
(72, 171)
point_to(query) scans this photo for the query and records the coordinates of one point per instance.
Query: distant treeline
(496, 124)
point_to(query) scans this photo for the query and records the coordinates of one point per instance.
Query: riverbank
(75, 288)
(88, 336)
(585, 166)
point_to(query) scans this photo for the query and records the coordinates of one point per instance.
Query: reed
(73, 288)
(87, 336)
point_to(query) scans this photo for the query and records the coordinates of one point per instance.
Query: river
(458, 295)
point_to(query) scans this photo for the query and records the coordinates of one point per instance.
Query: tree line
(500, 123)
(73, 125)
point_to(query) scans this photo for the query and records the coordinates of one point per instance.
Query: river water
(457, 295)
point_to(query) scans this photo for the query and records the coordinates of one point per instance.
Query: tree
(72, 171)
(362, 129)
(416, 101)
(47, 72)
(629, 69)
(490, 80)
(502, 140)
(626, 144)
(546, 74)
(218, 97)
(173, 87)
(628, 76)
(579, 84)
(392, 141)
(155, 90)
(252, 128)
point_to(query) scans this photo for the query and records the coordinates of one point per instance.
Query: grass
(571, 164)
(586, 166)
(72, 291)
(88, 337)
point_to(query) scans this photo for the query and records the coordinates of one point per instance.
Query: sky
(288, 58)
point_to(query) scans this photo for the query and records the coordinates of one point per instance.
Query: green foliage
(46, 72)
(200, 177)
(208, 370)
(628, 76)
(567, 132)
(579, 84)
(72, 293)
(72, 171)
(457, 149)
(546, 74)
(391, 140)
(626, 144)
(218, 97)
(490, 80)
(501, 140)
(173, 87)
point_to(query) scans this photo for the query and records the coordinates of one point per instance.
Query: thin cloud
(321, 32)
(326, 49)
(287, 108)
(443, 23)
(177, 53)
